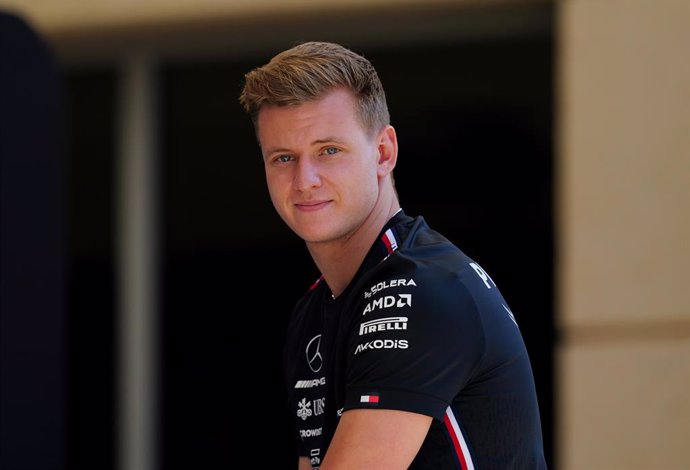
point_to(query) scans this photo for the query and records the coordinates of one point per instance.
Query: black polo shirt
(421, 328)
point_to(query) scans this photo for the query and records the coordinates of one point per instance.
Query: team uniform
(420, 328)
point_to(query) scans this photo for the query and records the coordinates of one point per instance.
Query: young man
(403, 354)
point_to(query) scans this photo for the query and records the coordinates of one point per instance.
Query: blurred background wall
(548, 139)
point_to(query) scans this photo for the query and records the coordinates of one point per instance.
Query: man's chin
(317, 237)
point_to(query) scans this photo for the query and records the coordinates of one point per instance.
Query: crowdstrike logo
(314, 358)
(310, 432)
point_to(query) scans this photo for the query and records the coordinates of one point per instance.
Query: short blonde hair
(308, 71)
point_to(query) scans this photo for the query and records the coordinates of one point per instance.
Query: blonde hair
(308, 71)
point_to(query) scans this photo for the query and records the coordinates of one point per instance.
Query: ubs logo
(314, 358)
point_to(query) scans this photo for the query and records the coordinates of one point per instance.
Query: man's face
(321, 166)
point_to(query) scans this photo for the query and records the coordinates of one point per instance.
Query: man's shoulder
(427, 273)
(416, 236)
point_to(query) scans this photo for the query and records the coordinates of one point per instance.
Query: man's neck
(339, 261)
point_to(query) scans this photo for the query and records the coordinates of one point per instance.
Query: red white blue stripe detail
(389, 240)
(459, 443)
(371, 398)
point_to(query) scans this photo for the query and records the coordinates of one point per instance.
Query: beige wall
(624, 234)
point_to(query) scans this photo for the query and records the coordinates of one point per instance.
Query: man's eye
(331, 150)
(283, 158)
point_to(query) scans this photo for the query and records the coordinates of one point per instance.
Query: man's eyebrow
(277, 150)
(325, 140)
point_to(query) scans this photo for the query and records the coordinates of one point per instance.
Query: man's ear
(388, 150)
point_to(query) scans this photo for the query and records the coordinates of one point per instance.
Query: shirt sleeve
(414, 340)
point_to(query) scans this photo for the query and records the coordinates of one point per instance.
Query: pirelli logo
(383, 324)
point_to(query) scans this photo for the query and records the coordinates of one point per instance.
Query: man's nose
(307, 175)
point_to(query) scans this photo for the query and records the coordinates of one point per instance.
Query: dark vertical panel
(231, 274)
(32, 257)
(92, 385)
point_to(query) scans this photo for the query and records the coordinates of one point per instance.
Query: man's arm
(303, 464)
(376, 439)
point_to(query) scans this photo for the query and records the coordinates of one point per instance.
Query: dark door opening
(474, 121)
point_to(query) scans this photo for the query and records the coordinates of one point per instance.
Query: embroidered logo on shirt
(304, 409)
(383, 324)
(371, 398)
(388, 301)
(314, 358)
(382, 344)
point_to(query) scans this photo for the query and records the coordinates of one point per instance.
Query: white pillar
(137, 267)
